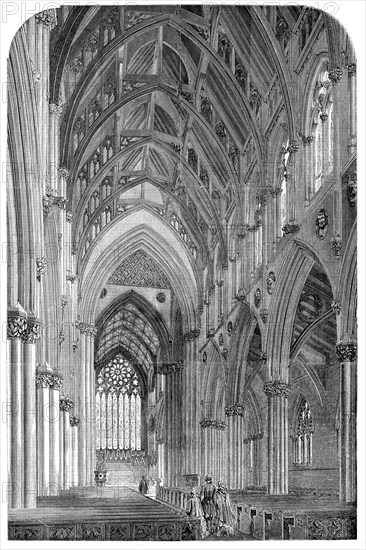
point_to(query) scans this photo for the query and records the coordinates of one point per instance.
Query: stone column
(235, 419)
(30, 338)
(53, 147)
(45, 21)
(16, 327)
(74, 425)
(172, 395)
(210, 434)
(352, 143)
(66, 405)
(54, 421)
(82, 479)
(277, 392)
(91, 408)
(265, 227)
(306, 163)
(61, 445)
(347, 355)
(44, 380)
(190, 406)
(291, 183)
(87, 405)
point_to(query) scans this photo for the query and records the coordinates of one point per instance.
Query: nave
(182, 268)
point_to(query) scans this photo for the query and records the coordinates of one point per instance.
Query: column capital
(306, 140)
(16, 322)
(346, 350)
(352, 67)
(55, 109)
(88, 329)
(169, 368)
(236, 409)
(50, 200)
(253, 437)
(45, 19)
(191, 334)
(44, 380)
(72, 278)
(212, 423)
(32, 332)
(335, 75)
(64, 172)
(274, 191)
(74, 421)
(290, 228)
(66, 404)
(276, 387)
(57, 380)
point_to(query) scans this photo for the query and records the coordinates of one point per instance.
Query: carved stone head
(321, 224)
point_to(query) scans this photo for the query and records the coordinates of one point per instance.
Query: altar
(122, 474)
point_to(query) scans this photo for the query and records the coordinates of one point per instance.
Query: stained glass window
(118, 405)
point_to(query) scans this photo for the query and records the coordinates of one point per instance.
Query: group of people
(212, 506)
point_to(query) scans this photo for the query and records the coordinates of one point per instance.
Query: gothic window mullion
(129, 419)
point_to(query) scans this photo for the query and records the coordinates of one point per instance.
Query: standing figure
(194, 510)
(208, 503)
(225, 513)
(143, 486)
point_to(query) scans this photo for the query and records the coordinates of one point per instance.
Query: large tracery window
(302, 438)
(283, 182)
(322, 129)
(118, 406)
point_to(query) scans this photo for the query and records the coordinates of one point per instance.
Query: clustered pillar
(23, 333)
(66, 405)
(191, 397)
(48, 383)
(277, 392)
(347, 355)
(74, 439)
(213, 448)
(173, 408)
(86, 443)
(235, 442)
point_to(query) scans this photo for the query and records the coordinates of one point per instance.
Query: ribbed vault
(141, 231)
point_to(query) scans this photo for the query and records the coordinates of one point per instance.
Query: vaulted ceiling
(159, 97)
(160, 103)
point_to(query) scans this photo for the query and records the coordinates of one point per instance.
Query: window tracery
(322, 129)
(94, 163)
(118, 406)
(95, 109)
(283, 176)
(79, 131)
(302, 438)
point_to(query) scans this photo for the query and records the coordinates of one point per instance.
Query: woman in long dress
(194, 510)
(225, 513)
(143, 486)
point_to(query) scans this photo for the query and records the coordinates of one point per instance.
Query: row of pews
(105, 514)
(283, 517)
(293, 517)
